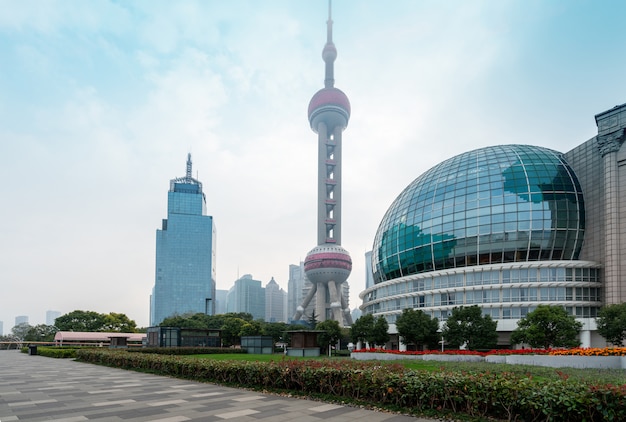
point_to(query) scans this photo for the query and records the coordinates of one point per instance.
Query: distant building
(356, 314)
(51, 316)
(220, 301)
(295, 291)
(247, 295)
(1, 328)
(185, 254)
(21, 319)
(275, 302)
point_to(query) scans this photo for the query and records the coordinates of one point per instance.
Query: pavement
(37, 388)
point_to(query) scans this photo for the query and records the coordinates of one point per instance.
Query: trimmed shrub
(504, 395)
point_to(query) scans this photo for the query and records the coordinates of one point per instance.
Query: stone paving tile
(35, 388)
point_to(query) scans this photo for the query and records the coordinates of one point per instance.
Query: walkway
(36, 388)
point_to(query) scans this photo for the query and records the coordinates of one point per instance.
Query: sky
(101, 101)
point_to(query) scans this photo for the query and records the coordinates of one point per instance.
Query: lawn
(604, 376)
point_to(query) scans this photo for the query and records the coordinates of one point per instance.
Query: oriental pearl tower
(328, 265)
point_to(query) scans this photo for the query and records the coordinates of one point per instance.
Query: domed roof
(507, 203)
(329, 96)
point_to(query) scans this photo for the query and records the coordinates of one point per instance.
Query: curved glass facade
(500, 204)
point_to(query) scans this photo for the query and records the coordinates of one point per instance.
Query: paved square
(36, 388)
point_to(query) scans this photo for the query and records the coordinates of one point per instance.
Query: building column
(611, 136)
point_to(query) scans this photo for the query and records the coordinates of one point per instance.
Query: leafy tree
(379, 336)
(251, 328)
(80, 321)
(361, 328)
(275, 329)
(118, 323)
(468, 326)
(20, 331)
(231, 331)
(41, 332)
(418, 328)
(198, 320)
(611, 322)
(547, 326)
(331, 333)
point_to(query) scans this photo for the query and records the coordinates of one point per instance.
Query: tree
(231, 331)
(118, 323)
(312, 321)
(418, 328)
(20, 331)
(611, 323)
(41, 332)
(80, 321)
(274, 329)
(547, 326)
(379, 335)
(252, 328)
(330, 335)
(361, 328)
(198, 320)
(468, 326)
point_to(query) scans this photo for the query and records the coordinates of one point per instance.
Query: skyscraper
(328, 265)
(185, 253)
(295, 286)
(275, 301)
(247, 295)
(51, 316)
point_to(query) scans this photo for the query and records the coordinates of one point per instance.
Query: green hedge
(185, 350)
(496, 395)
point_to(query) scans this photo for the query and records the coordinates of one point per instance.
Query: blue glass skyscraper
(185, 254)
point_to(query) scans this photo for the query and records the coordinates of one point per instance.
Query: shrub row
(498, 395)
(185, 350)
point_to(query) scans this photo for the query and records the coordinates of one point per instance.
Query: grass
(604, 376)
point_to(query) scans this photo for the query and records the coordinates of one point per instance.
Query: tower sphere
(327, 262)
(329, 53)
(331, 106)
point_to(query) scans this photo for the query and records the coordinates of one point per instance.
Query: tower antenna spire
(188, 175)
(329, 54)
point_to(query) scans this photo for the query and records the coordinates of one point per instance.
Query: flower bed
(578, 351)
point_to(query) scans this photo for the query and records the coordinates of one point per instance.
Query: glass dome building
(501, 227)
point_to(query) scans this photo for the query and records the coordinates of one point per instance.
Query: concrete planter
(595, 362)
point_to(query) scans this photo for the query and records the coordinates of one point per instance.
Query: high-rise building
(220, 301)
(247, 295)
(297, 288)
(185, 253)
(51, 316)
(275, 302)
(21, 319)
(508, 228)
(328, 265)
(1, 328)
